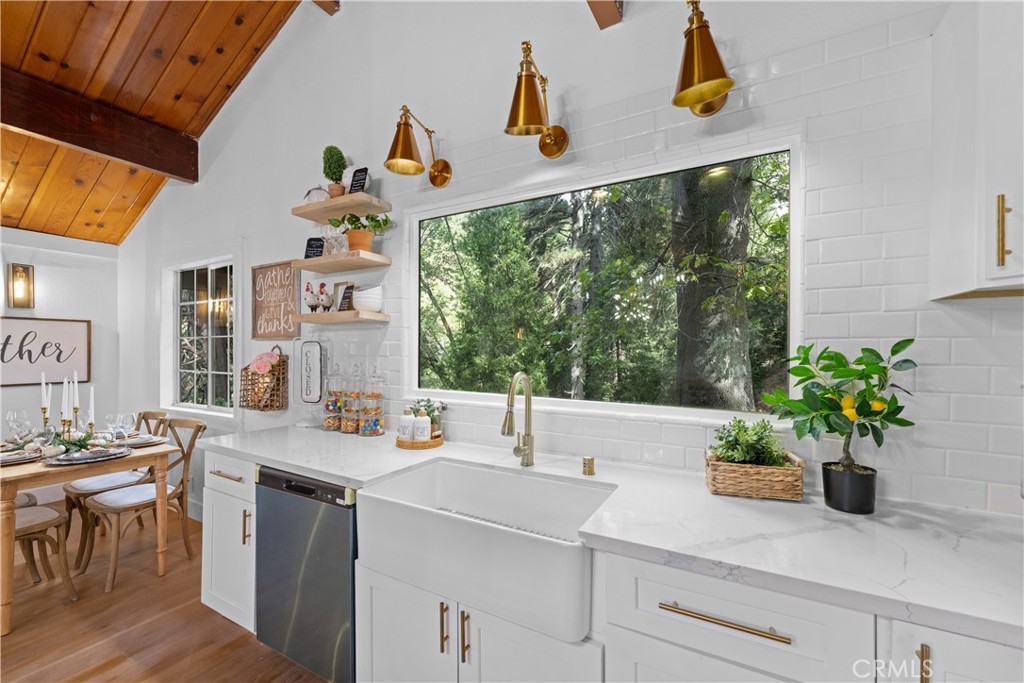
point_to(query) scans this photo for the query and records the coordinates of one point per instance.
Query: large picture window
(667, 290)
(205, 323)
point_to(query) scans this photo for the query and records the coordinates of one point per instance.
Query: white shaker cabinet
(977, 151)
(918, 653)
(229, 539)
(405, 633)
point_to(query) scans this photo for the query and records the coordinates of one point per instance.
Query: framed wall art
(56, 346)
(275, 297)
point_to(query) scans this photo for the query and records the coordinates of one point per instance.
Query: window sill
(215, 419)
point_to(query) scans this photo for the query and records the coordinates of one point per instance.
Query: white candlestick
(49, 397)
(64, 398)
(76, 403)
(42, 389)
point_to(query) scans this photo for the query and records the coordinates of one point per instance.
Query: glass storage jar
(371, 416)
(333, 400)
(352, 400)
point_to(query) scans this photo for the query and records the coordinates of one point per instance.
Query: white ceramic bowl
(369, 299)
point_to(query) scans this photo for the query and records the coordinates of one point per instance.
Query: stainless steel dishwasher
(305, 595)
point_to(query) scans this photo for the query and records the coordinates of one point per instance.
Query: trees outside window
(205, 326)
(667, 290)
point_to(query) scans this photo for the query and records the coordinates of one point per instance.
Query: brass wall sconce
(404, 157)
(704, 82)
(529, 113)
(21, 286)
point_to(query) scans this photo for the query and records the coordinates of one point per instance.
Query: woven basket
(266, 392)
(755, 481)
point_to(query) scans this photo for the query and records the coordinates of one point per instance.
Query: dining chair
(32, 525)
(77, 491)
(116, 508)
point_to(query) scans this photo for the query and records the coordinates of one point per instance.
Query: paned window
(205, 315)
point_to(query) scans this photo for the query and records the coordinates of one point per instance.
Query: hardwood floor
(149, 628)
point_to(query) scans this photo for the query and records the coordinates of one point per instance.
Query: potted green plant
(334, 170)
(844, 397)
(748, 460)
(361, 230)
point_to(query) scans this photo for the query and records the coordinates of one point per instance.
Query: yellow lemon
(847, 403)
(851, 414)
(879, 405)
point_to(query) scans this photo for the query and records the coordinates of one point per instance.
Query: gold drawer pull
(443, 609)
(218, 473)
(770, 634)
(1001, 210)
(925, 656)
(463, 620)
(245, 526)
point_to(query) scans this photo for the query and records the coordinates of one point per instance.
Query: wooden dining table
(33, 475)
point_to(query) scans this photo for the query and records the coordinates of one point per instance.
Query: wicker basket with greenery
(747, 460)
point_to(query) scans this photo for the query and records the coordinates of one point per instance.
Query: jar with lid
(352, 393)
(333, 400)
(371, 416)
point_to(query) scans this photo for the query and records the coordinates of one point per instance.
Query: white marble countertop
(951, 569)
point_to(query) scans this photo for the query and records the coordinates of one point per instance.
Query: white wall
(857, 99)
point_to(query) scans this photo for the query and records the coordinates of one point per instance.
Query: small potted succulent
(334, 170)
(844, 397)
(747, 460)
(361, 230)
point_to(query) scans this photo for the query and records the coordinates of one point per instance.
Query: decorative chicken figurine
(310, 298)
(325, 298)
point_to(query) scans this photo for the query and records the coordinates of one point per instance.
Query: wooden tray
(419, 445)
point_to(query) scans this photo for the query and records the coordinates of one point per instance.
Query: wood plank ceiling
(172, 62)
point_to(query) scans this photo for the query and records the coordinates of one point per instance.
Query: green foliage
(840, 396)
(378, 224)
(582, 290)
(72, 445)
(753, 444)
(433, 410)
(334, 164)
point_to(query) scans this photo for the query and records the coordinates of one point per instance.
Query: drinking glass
(127, 423)
(45, 436)
(18, 424)
(112, 420)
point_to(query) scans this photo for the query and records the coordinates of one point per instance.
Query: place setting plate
(87, 456)
(19, 457)
(142, 441)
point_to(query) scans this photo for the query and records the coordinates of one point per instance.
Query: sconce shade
(21, 286)
(702, 76)
(404, 157)
(527, 116)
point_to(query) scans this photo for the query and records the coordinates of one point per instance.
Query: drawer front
(945, 656)
(233, 476)
(783, 635)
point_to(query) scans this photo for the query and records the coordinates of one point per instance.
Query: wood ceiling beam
(606, 12)
(329, 6)
(35, 108)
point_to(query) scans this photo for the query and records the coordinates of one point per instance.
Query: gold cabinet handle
(463, 620)
(218, 473)
(924, 655)
(245, 526)
(1001, 210)
(443, 609)
(770, 634)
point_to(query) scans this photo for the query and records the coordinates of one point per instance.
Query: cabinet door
(229, 556)
(1001, 108)
(491, 649)
(403, 633)
(951, 657)
(634, 658)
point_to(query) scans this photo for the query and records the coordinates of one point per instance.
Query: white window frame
(783, 141)
(225, 418)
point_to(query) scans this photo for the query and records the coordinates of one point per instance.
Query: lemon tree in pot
(334, 170)
(848, 398)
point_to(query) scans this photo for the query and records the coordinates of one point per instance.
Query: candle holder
(92, 427)
(46, 420)
(65, 429)
(76, 417)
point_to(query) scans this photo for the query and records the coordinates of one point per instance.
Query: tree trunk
(710, 235)
(577, 370)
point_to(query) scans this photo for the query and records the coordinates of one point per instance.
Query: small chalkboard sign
(358, 183)
(314, 247)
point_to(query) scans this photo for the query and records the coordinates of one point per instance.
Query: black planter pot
(852, 492)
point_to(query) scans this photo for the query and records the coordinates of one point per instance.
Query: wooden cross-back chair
(117, 508)
(75, 492)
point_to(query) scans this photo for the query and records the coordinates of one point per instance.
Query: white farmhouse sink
(502, 541)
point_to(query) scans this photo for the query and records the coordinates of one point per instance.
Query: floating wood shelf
(341, 317)
(360, 204)
(340, 263)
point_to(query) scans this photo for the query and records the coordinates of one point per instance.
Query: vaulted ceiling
(171, 63)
